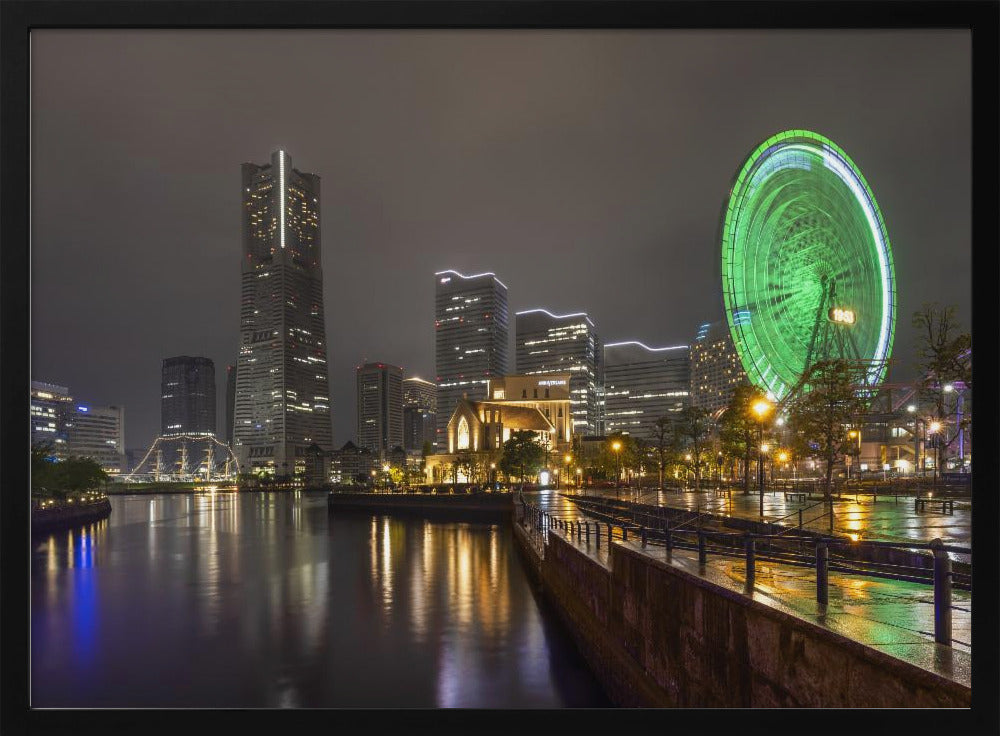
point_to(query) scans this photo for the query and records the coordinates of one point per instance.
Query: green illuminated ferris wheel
(807, 272)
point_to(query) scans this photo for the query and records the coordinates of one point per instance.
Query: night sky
(587, 169)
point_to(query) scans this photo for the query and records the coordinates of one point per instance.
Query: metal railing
(754, 547)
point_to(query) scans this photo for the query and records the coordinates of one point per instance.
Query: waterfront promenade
(891, 518)
(892, 616)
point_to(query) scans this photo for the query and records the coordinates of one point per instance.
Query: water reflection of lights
(386, 568)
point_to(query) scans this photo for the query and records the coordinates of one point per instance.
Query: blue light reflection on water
(265, 600)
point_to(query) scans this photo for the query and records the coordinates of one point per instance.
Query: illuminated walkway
(893, 616)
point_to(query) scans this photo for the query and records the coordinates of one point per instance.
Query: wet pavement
(888, 518)
(893, 616)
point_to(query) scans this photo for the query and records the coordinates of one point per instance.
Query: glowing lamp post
(935, 429)
(493, 476)
(761, 409)
(617, 447)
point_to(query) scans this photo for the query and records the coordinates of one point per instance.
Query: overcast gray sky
(586, 168)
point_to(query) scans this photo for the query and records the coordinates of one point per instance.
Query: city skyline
(573, 203)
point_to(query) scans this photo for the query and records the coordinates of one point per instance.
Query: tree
(694, 427)
(738, 428)
(822, 416)
(664, 443)
(522, 454)
(946, 360)
(43, 471)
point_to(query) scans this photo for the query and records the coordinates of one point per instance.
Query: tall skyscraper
(419, 413)
(187, 396)
(282, 388)
(470, 324)
(98, 432)
(50, 406)
(642, 384)
(716, 370)
(230, 402)
(562, 343)
(380, 407)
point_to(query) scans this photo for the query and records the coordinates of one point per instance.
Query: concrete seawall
(658, 635)
(65, 515)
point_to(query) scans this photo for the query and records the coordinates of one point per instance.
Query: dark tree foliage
(522, 455)
(822, 417)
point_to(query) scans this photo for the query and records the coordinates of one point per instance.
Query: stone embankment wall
(656, 635)
(65, 515)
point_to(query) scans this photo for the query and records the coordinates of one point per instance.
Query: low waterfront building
(477, 430)
(98, 432)
(352, 465)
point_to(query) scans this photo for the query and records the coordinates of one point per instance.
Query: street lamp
(493, 476)
(567, 458)
(854, 434)
(374, 481)
(617, 446)
(761, 407)
(935, 428)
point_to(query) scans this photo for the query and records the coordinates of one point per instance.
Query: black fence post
(942, 594)
(624, 533)
(642, 533)
(588, 533)
(750, 544)
(609, 536)
(668, 538)
(822, 573)
(702, 552)
(800, 518)
(597, 534)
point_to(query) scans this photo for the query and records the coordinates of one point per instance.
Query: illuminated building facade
(282, 402)
(187, 396)
(554, 343)
(642, 384)
(471, 332)
(98, 432)
(380, 407)
(478, 429)
(716, 370)
(419, 413)
(50, 405)
(352, 464)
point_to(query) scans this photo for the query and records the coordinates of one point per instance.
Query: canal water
(266, 600)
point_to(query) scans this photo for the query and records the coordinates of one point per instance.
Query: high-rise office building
(419, 413)
(187, 396)
(380, 407)
(470, 324)
(642, 384)
(562, 343)
(716, 370)
(98, 432)
(50, 405)
(282, 387)
(230, 402)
